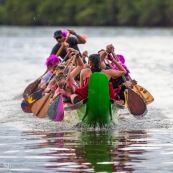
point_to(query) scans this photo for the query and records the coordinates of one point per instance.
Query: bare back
(109, 73)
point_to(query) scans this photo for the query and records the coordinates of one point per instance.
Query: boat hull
(98, 110)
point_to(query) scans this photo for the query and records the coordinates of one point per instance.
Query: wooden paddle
(136, 104)
(146, 95)
(39, 109)
(56, 109)
(61, 48)
(31, 88)
(28, 102)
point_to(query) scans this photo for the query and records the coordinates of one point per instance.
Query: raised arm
(82, 77)
(80, 39)
(115, 73)
(80, 64)
(102, 57)
(118, 73)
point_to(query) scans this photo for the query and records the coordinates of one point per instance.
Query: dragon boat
(97, 110)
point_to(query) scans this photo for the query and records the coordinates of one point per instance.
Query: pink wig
(124, 66)
(122, 60)
(52, 60)
(64, 33)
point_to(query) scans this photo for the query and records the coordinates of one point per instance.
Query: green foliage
(169, 12)
(87, 12)
(154, 13)
(2, 14)
(127, 14)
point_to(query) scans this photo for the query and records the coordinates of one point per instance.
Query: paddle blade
(136, 104)
(28, 102)
(56, 109)
(146, 95)
(31, 88)
(75, 106)
(40, 107)
(51, 112)
(141, 116)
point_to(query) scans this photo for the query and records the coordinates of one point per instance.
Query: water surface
(30, 144)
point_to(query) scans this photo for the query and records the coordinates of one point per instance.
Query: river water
(29, 144)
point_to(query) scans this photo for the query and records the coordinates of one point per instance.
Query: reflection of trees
(97, 151)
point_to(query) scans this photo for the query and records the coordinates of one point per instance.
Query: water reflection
(91, 151)
(108, 151)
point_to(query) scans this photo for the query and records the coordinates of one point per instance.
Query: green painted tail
(98, 105)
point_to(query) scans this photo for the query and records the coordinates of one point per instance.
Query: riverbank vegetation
(141, 13)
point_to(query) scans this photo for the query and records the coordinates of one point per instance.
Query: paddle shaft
(59, 115)
(129, 77)
(137, 89)
(43, 104)
(58, 52)
(137, 107)
(61, 48)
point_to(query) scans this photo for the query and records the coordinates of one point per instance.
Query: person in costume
(72, 41)
(108, 61)
(51, 63)
(66, 85)
(95, 66)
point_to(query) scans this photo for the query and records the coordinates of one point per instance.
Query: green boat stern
(98, 105)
